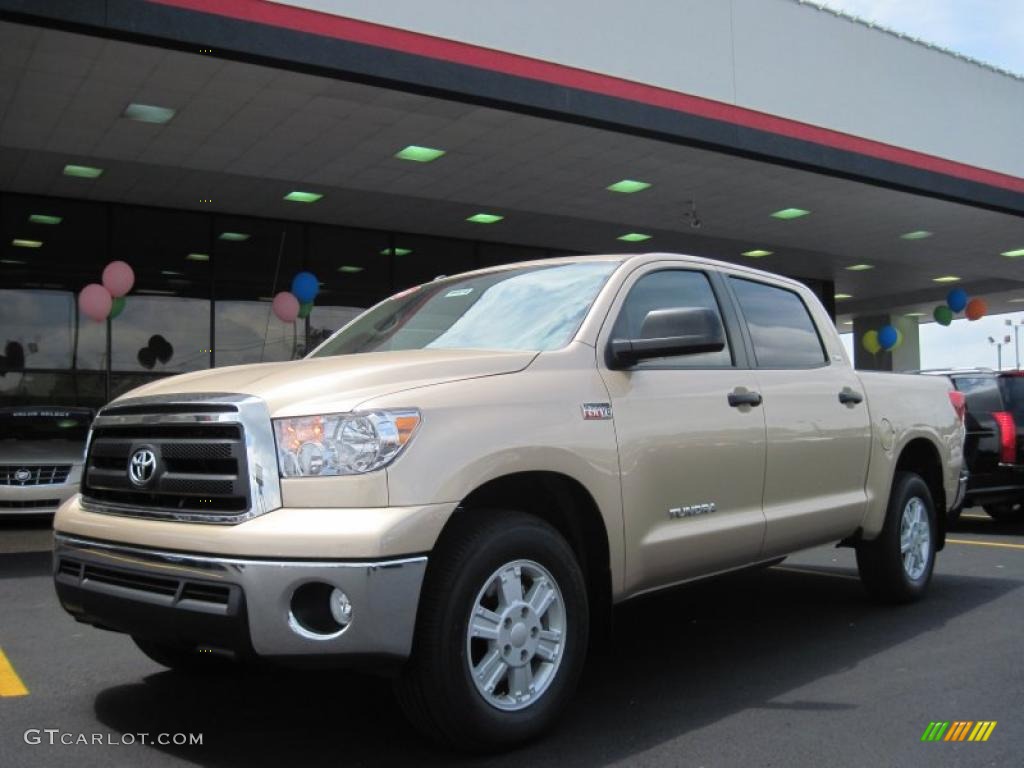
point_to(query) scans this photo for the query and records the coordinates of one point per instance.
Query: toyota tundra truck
(459, 485)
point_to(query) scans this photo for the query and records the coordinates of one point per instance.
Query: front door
(691, 462)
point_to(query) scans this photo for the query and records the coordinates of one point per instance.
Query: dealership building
(222, 146)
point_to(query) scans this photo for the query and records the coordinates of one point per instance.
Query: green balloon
(305, 308)
(117, 307)
(943, 315)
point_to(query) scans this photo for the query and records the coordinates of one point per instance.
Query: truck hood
(338, 384)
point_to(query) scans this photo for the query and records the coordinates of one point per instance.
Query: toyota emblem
(23, 475)
(142, 466)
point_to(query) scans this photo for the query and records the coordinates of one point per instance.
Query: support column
(907, 357)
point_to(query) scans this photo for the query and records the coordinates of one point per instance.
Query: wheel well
(922, 457)
(566, 505)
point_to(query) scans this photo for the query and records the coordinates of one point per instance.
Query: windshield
(45, 423)
(533, 308)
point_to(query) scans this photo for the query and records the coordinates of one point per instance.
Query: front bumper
(236, 604)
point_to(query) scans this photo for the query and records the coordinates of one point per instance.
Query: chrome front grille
(211, 460)
(34, 474)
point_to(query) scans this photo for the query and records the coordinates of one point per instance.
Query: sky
(991, 31)
(965, 344)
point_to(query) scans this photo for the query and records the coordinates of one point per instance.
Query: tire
(1006, 513)
(897, 566)
(438, 689)
(182, 659)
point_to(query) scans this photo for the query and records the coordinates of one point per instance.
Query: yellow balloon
(870, 342)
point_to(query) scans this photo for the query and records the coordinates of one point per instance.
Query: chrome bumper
(110, 584)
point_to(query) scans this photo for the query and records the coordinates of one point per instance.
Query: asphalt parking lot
(792, 666)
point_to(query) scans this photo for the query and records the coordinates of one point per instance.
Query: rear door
(818, 426)
(691, 463)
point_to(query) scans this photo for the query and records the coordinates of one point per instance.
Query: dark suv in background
(994, 447)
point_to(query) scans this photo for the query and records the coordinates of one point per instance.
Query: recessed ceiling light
(628, 186)
(19, 261)
(298, 196)
(757, 253)
(396, 252)
(915, 314)
(349, 269)
(169, 272)
(1011, 301)
(419, 154)
(198, 257)
(860, 267)
(634, 237)
(847, 322)
(485, 218)
(43, 218)
(842, 296)
(1013, 254)
(19, 242)
(917, 234)
(946, 279)
(83, 171)
(233, 237)
(148, 113)
(790, 213)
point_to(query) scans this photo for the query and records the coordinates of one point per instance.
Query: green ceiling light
(298, 196)
(790, 213)
(946, 279)
(233, 237)
(198, 257)
(83, 171)
(19, 242)
(628, 186)
(757, 253)
(19, 261)
(1013, 254)
(396, 252)
(43, 218)
(348, 269)
(420, 154)
(915, 314)
(843, 296)
(170, 273)
(148, 113)
(633, 237)
(860, 267)
(485, 218)
(917, 234)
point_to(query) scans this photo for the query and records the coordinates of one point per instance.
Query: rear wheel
(501, 634)
(897, 566)
(1006, 513)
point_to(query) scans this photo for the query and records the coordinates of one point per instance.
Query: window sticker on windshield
(458, 292)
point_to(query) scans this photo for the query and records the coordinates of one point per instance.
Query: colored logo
(597, 411)
(142, 466)
(959, 730)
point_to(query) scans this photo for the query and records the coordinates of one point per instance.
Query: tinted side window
(1013, 395)
(669, 289)
(780, 326)
(981, 393)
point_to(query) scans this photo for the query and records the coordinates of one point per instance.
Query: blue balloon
(888, 336)
(305, 286)
(957, 299)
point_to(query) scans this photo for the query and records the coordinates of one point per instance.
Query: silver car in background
(41, 456)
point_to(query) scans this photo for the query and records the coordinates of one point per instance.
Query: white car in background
(41, 454)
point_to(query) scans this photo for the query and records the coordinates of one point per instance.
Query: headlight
(342, 443)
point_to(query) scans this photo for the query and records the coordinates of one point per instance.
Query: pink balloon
(286, 307)
(95, 301)
(118, 278)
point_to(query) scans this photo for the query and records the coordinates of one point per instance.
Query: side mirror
(669, 332)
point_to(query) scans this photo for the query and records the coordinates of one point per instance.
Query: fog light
(341, 607)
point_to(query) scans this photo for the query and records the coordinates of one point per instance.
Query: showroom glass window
(669, 289)
(781, 328)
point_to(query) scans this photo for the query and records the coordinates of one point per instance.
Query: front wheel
(897, 566)
(501, 633)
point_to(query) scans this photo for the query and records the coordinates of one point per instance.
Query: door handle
(849, 397)
(736, 399)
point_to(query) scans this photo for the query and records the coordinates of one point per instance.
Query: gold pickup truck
(459, 484)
